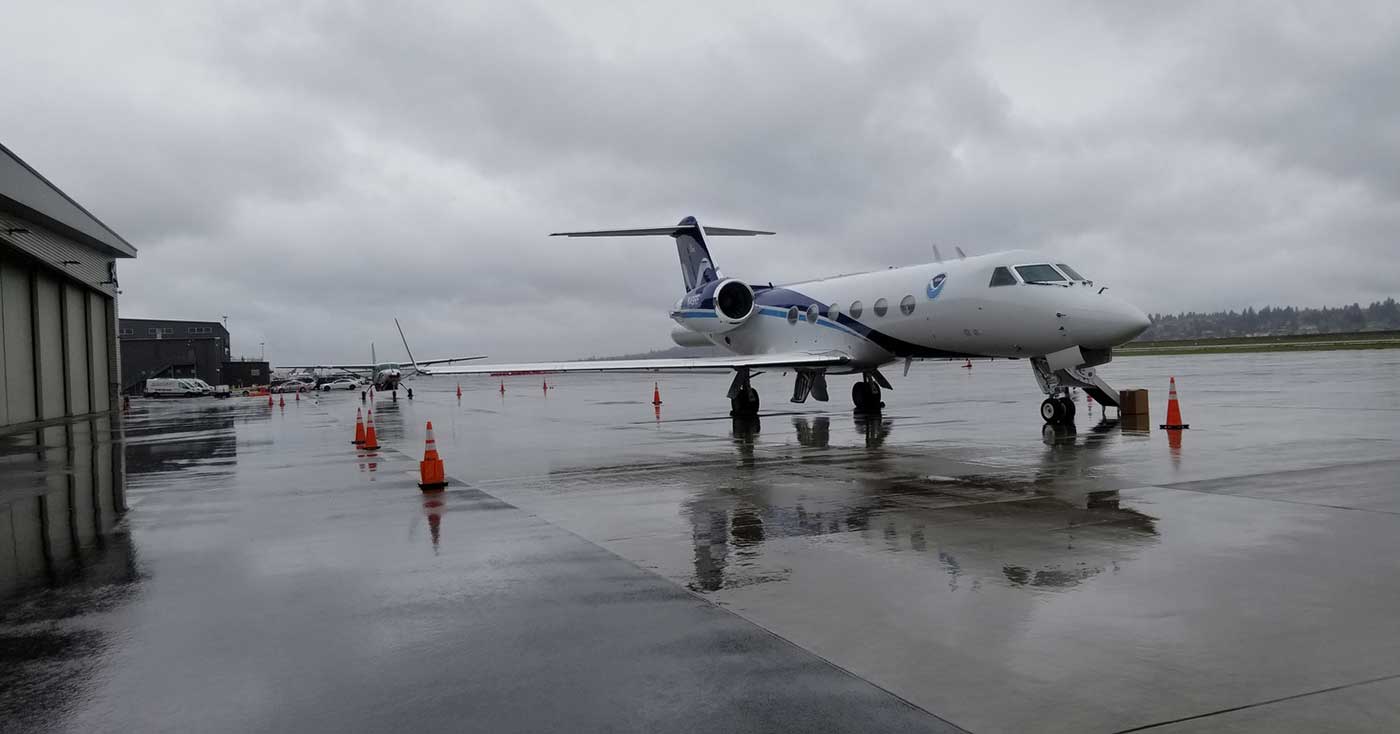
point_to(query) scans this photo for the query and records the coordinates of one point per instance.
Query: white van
(167, 387)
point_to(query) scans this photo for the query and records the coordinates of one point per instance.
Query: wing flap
(717, 364)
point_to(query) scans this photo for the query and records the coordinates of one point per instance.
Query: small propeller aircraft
(385, 376)
(1016, 305)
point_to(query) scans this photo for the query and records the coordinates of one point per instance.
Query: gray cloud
(313, 171)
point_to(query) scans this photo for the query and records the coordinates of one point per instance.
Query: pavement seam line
(723, 609)
(1282, 472)
(1258, 704)
(1264, 499)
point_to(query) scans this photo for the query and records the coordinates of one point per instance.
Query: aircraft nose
(1106, 322)
(1130, 321)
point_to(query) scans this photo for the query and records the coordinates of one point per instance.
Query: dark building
(243, 373)
(163, 348)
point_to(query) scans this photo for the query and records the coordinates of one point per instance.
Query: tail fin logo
(705, 272)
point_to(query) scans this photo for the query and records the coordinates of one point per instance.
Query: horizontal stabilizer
(671, 231)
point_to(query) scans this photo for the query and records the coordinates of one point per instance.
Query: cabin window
(906, 306)
(1002, 276)
(1039, 274)
(792, 315)
(882, 307)
(833, 312)
(812, 313)
(857, 308)
(1067, 270)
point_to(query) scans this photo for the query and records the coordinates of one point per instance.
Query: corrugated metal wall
(85, 264)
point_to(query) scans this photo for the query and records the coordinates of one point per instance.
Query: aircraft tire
(866, 397)
(744, 405)
(1066, 410)
(1052, 411)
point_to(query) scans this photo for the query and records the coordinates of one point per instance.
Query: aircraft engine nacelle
(730, 301)
(686, 338)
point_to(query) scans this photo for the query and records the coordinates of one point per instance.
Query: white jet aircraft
(1016, 304)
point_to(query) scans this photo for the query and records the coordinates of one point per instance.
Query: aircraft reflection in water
(1031, 532)
(388, 421)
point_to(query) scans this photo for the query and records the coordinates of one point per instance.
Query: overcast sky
(312, 170)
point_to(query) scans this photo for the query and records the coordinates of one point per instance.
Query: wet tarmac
(595, 566)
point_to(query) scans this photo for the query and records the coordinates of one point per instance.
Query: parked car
(294, 386)
(342, 384)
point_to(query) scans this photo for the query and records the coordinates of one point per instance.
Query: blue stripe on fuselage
(777, 301)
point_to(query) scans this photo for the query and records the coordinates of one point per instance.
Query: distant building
(164, 348)
(243, 373)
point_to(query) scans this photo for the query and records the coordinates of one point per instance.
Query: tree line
(1275, 321)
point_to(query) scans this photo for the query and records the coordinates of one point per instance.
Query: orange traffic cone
(430, 468)
(269, 400)
(298, 396)
(281, 401)
(1173, 411)
(359, 428)
(656, 393)
(503, 386)
(371, 440)
(459, 391)
(968, 365)
(546, 385)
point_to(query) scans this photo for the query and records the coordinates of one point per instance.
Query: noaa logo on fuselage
(935, 286)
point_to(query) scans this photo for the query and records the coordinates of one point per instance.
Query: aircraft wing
(716, 364)
(348, 367)
(449, 360)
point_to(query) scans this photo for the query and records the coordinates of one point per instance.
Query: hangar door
(56, 355)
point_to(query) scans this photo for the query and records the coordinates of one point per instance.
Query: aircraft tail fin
(697, 267)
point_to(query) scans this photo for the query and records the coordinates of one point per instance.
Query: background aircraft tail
(697, 267)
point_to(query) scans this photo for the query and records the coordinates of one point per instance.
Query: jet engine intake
(716, 308)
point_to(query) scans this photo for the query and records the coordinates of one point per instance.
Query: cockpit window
(1067, 270)
(1002, 276)
(1039, 274)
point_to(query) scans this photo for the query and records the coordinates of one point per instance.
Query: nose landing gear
(1057, 410)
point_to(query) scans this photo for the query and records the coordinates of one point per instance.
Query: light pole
(262, 351)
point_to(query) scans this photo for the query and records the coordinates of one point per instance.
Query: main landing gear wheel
(866, 396)
(745, 404)
(1057, 411)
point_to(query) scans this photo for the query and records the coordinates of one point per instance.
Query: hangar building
(58, 286)
(61, 473)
